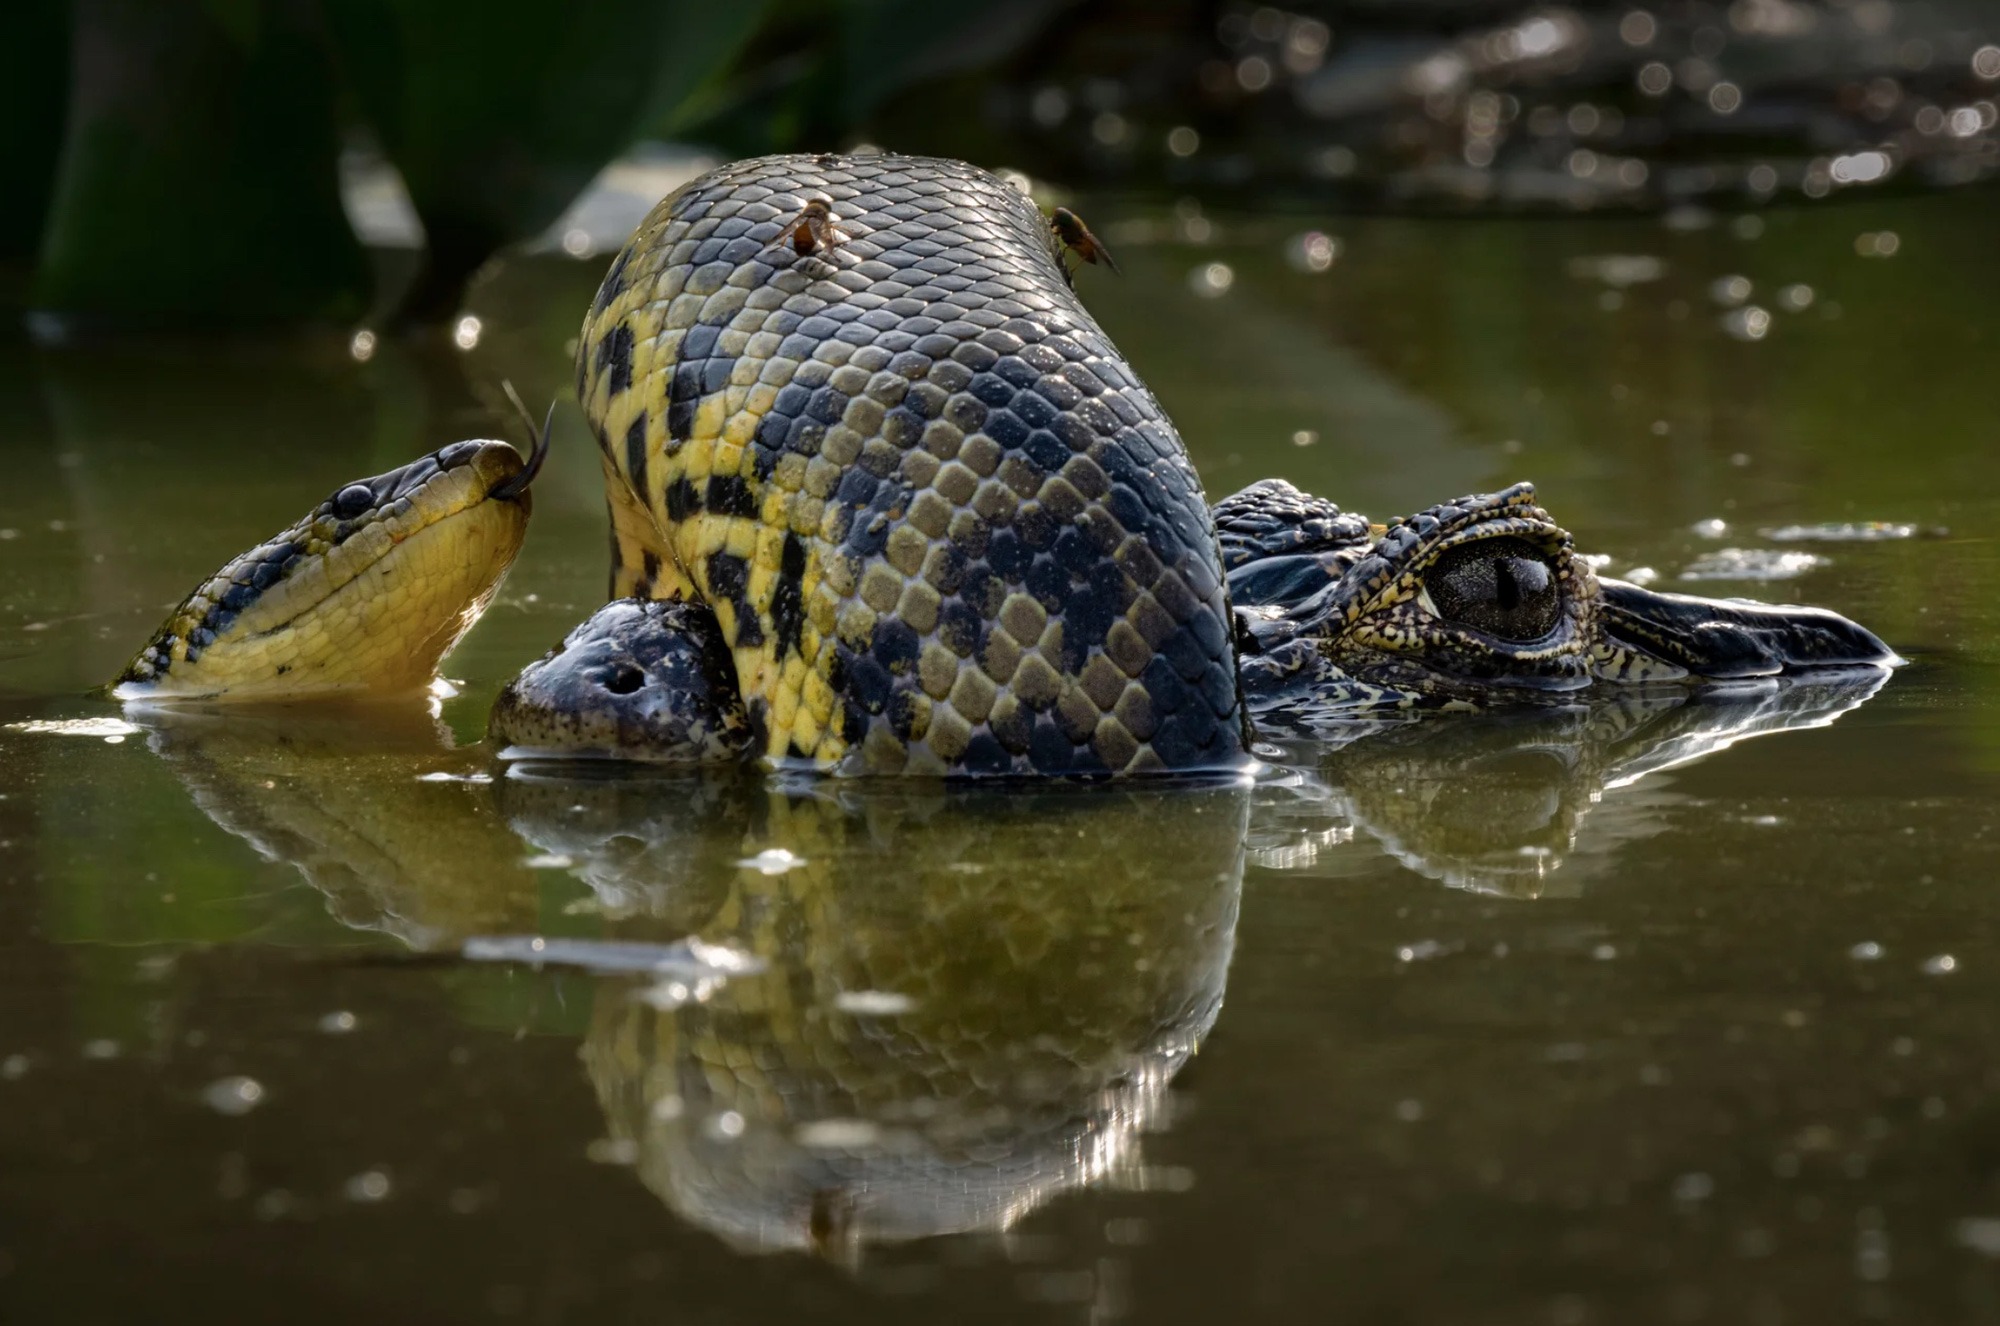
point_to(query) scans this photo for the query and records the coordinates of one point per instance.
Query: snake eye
(352, 500)
(1503, 587)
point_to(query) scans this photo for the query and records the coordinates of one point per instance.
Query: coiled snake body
(939, 520)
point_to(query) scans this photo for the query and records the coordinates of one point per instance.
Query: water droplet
(371, 1185)
(1866, 951)
(1730, 290)
(773, 861)
(1748, 323)
(1049, 107)
(873, 1003)
(1981, 1234)
(1312, 251)
(1637, 28)
(234, 1095)
(1211, 280)
(274, 1205)
(837, 1134)
(1942, 964)
(338, 1023)
(613, 1151)
(1860, 167)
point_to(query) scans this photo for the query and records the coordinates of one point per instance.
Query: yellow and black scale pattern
(943, 525)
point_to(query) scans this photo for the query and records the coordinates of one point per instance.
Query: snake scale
(941, 523)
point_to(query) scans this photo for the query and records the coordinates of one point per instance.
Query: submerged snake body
(940, 521)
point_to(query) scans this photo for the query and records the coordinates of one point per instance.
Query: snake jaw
(365, 593)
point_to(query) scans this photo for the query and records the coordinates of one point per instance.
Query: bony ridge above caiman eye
(1503, 587)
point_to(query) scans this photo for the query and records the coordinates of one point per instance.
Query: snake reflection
(968, 1001)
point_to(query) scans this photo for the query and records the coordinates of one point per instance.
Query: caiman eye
(352, 500)
(1500, 586)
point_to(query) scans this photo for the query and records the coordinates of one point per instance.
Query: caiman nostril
(353, 500)
(625, 678)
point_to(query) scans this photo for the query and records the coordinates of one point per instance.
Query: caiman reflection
(1499, 803)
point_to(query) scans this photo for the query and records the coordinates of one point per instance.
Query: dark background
(176, 162)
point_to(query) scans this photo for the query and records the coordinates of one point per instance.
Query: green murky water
(1667, 1015)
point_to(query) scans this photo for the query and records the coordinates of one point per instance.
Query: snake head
(1484, 601)
(364, 593)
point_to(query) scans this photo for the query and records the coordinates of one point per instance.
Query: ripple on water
(111, 730)
(687, 959)
(1752, 564)
(1850, 531)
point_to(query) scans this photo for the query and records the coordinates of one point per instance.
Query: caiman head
(1481, 601)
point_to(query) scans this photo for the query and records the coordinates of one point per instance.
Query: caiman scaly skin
(1478, 602)
(942, 524)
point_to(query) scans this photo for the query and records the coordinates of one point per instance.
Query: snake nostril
(625, 678)
(457, 454)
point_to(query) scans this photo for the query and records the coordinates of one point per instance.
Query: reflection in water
(969, 999)
(371, 803)
(1496, 803)
(973, 999)
(945, 1005)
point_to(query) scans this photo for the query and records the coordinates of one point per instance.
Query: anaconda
(885, 498)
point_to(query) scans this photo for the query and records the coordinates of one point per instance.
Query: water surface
(1653, 1012)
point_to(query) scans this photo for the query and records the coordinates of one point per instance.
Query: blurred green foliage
(220, 123)
(199, 181)
(820, 69)
(498, 115)
(34, 84)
